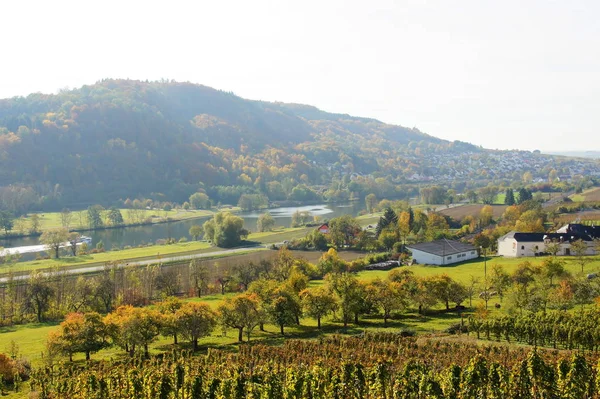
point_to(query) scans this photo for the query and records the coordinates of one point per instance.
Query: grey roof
(442, 247)
(541, 237)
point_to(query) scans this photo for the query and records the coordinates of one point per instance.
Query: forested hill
(122, 138)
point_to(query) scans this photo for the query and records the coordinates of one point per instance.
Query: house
(516, 245)
(323, 229)
(442, 252)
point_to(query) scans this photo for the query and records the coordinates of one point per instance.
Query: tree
(265, 222)
(552, 247)
(66, 216)
(553, 267)
(34, 221)
(54, 239)
(6, 221)
(74, 238)
(168, 308)
(105, 289)
(486, 216)
(509, 197)
(488, 194)
(195, 320)
(447, 290)
(79, 333)
(318, 303)
(166, 281)
(225, 230)
(199, 276)
(386, 295)
(94, 217)
(527, 177)
(499, 280)
(196, 231)
(471, 196)
(404, 226)
(371, 202)
(524, 195)
(115, 217)
(422, 293)
(349, 292)
(283, 308)
(38, 295)
(580, 248)
(389, 218)
(300, 218)
(131, 327)
(200, 201)
(436, 225)
(343, 230)
(531, 221)
(241, 312)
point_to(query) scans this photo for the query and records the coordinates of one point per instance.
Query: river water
(133, 236)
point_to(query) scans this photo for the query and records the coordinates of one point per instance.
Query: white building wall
(507, 247)
(511, 248)
(427, 258)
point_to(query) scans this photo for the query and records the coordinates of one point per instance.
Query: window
(522, 246)
(472, 252)
(449, 257)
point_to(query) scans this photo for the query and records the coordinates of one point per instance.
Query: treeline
(372, 366)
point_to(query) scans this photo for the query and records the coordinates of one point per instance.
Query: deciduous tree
(265, 222)
(242, 312)
(195, 320)
(53, 239)
(318, 303)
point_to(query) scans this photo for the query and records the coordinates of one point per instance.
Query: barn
(442, 252)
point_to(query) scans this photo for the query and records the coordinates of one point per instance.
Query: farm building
(515, 244)
(324, 228)
(442, 252)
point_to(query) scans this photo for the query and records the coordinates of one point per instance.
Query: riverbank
(78, 222)
(155, 253)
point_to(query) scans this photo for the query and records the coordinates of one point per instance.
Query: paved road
(166, 259)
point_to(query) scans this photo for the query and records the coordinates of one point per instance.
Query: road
(166, 259)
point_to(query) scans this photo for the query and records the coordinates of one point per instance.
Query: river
(134, 236)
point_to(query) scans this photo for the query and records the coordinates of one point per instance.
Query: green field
(52, 220)
(157, 252)
(154, 251)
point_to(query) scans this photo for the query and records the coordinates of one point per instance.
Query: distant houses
(442, 252)
(516, 245)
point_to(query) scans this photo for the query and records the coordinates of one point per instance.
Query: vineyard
(369, 366)
(562, 330)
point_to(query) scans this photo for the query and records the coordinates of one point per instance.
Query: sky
(501, 74)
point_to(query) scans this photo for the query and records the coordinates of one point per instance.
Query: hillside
(121, 139)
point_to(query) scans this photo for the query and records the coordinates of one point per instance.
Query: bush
(183, 239)
(456, 328)
(403, 332)
(9, 368)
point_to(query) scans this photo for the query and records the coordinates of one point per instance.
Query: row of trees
(131, 328)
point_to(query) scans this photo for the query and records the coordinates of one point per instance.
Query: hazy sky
(502, 74)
